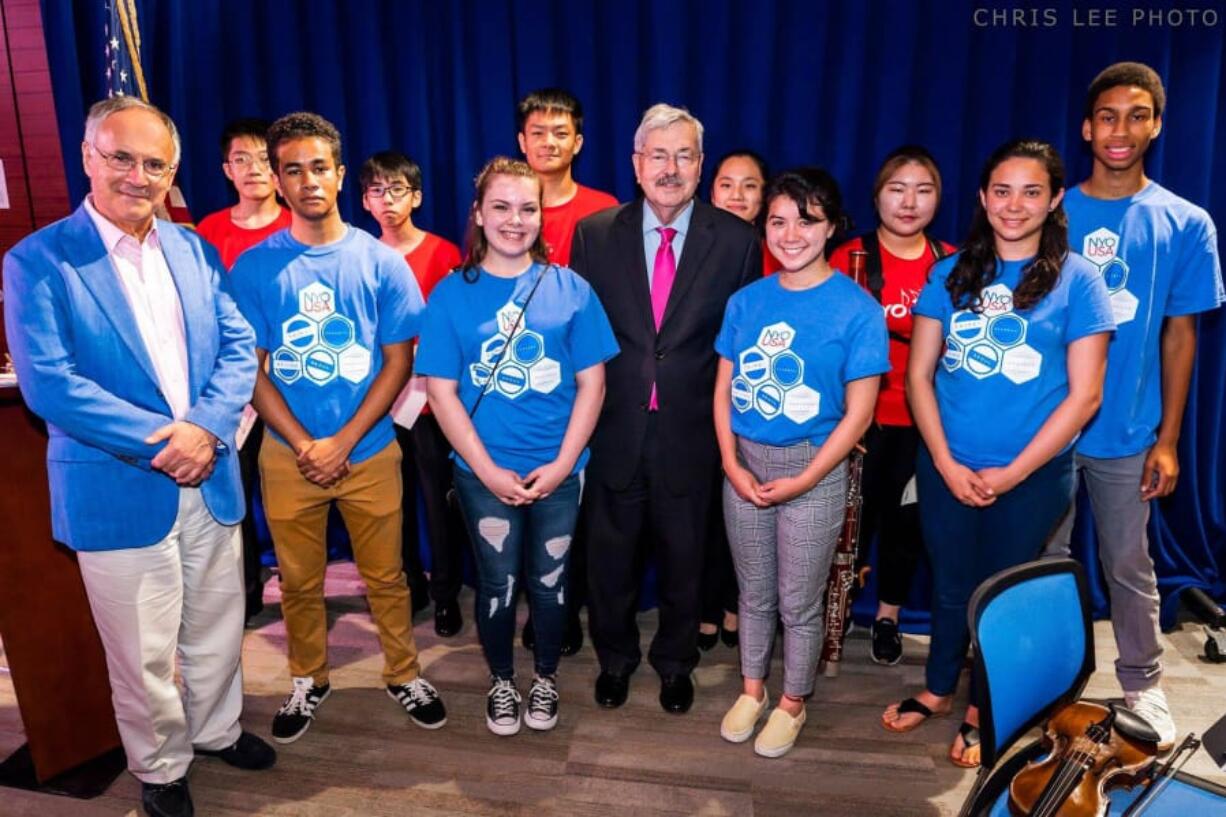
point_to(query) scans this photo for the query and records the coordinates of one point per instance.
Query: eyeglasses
(685, 159)
(397, 191)
(124, 162)
(245, 160)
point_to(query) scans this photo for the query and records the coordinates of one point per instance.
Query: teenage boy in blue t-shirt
(334, 313)
(1158, 256)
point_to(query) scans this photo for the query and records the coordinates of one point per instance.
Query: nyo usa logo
(513, 361)
(991, 342)
(318, 344)
(770, 378)
(1102, 249)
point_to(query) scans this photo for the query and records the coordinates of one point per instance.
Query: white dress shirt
(154, 299)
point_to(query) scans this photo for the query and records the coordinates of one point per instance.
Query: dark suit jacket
(721, 255)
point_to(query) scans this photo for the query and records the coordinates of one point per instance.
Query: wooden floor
(363, 756)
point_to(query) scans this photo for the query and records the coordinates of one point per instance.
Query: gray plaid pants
(782, 556)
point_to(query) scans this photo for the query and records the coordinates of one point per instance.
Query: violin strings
(1066, 777)
(1054, 793)
(1063, 784)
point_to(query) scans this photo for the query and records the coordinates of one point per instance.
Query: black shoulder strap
(938, 249)
(503, 353)
(876, 277)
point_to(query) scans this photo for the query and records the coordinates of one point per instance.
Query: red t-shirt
(770, 264)
(431, 260)
(558, 223)
(231, 239)
(903, 280)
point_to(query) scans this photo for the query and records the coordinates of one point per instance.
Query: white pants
(185, 595)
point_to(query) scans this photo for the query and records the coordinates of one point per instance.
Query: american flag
(121, 73)
(124, 77)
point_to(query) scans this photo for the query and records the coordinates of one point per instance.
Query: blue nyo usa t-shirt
(527, 371)
(1157, 254)
(794, 351)
(324, 313)
(1004, 370)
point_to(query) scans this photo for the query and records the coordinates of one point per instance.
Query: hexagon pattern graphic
(992, 342)
(318, 344)
(524, 366)
(1101, 248)
(770, 378)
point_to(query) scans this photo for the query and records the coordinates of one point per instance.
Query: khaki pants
(184, 596)
(297, 512)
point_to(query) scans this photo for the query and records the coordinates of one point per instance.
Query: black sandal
(970, 739)
(909, 705)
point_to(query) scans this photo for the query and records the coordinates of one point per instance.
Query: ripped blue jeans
(528, 542)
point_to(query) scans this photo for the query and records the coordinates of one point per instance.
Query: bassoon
(842, 577)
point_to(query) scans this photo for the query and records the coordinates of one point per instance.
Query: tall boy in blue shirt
(334, 313)
(1158, 255)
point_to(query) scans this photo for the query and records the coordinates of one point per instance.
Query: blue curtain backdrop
(837, 84)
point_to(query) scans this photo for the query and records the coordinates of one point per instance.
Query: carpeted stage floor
(363, 757)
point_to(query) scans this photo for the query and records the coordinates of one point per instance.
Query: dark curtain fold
(838, 84)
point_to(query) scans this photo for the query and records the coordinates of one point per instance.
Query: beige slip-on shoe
(779, 735)
(739, 722)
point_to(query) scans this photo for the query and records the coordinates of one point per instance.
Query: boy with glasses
(391, 191)
(256, 215)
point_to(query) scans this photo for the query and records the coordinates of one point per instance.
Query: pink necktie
(662, 277)
(663, 274)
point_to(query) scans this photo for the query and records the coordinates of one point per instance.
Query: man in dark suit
(664, 267)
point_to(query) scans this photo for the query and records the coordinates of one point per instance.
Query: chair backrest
(1034, 648)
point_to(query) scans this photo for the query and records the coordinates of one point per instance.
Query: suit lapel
(180, 260)
(83, 248)
(698, 243)
(629, 239)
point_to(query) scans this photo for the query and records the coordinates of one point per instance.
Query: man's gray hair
(661, 115)
(99, 111)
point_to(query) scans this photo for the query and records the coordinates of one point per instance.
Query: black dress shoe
(248, 752)
(676, 693)
(707, 640)
(254, 605)
(419, 598)
(729, 637)
(448, 620)
(167, 799)
(573, 641)
(611, 690)
(529, 634)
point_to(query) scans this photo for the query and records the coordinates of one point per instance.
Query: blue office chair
(1033, 653)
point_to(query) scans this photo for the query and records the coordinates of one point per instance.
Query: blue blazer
(82, 367)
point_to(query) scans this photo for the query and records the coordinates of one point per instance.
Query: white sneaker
(1150, 704)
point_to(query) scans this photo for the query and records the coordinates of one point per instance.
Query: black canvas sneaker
(296, 714)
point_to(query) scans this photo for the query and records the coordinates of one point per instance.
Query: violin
(1093, 748)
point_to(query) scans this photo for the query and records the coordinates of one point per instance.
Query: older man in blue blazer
(125, 341)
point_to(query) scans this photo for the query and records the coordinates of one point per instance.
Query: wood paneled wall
(29, 136)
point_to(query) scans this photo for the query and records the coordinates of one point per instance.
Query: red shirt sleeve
(433, 258)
